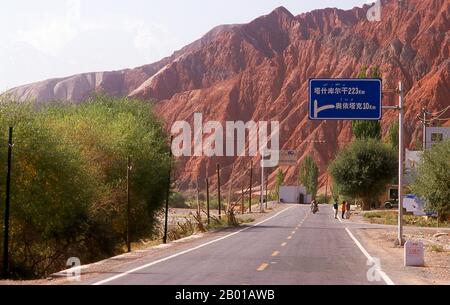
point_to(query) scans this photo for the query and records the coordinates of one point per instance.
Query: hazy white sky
(53, 38)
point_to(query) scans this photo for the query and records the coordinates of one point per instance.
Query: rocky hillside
(260, 70)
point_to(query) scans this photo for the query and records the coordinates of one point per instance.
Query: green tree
(364, 130)
(278, 183)
(367, 129)
(68, 194)
(363, 170)
(50, 193)
(393, 135)
(432, 180)
(309, 175)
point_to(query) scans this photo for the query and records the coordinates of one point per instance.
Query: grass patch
(437, 248)
(246, 220)
(391, 218)
(382, 217)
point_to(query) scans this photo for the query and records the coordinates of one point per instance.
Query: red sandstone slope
(260, 70)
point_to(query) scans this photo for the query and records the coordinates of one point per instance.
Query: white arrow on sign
(320, 109)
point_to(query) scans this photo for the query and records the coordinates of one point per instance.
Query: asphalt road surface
(291, 247)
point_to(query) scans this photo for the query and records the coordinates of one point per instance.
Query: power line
(439, 113)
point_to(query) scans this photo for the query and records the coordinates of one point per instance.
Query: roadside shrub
(177, 200)
(363, 169)
(432, 180)
(68, 196)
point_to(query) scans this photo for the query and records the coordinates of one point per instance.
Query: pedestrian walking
(343, 208)
(336, 209)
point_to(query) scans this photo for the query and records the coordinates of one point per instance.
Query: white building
(436, 135)
(294, 194)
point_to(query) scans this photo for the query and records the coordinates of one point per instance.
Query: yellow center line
(283, 244)
(293, 232)
(262, 267)
(275, 253)
(289, 237)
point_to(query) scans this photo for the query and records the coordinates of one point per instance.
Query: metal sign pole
(400, 165)
(401, 114)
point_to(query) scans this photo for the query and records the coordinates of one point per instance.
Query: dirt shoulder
(152, 252)
(379, 242)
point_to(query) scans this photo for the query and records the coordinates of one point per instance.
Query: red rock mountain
(260, 70)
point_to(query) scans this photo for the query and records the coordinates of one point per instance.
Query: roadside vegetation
(432, 180)
(69, 169)
(391, 218)
(309, 175)
(363, 170)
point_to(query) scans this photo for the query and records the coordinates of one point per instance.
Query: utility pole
(218, 191)
(401, 112)
(207, 200)
(128, 204)
(326, 191)
(198, 196)
(251, 182)
(230, 188)
(7, 204)
(168, 193)
(261, 202)
(400, 163)
(243, 198)
(424, 129)
(267, 186)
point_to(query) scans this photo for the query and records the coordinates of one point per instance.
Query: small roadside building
(294, 194)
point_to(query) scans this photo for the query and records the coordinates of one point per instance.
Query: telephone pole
(128, 204)
(267, 187)
(424, 128)
(166, 212)
(261, 203)
(401, 112)
(218, 191)
(207, 200)
(251, 182)
(400, 162)
(7, 205)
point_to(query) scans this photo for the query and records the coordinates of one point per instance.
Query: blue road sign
(345, 99)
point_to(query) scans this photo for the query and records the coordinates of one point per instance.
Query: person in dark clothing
(336, 209)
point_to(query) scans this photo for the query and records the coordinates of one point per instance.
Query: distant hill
(260, 70)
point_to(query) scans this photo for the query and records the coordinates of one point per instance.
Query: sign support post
(400, 164)
(401, 114)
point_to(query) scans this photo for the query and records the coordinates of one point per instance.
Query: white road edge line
(385, 277)
(185, 251)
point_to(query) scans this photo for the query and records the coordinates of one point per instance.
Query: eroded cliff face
(260, 71)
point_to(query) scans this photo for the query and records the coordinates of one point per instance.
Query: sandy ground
(380, 243)
(379, 240)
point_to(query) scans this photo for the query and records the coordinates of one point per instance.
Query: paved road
(291, 247)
